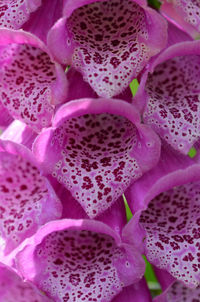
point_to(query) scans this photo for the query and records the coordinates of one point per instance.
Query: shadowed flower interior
(79, 266)
(173, 101)
(95, 162)
(110, 44)
(26, 76)
(172, 225)
(23, 195)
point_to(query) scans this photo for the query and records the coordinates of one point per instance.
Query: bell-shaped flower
(30, 81)
(97, 148)
(166, 203)
(185, 14)
(13, 288)
(79, 260)
(109, 42)
(169, 95)
(175, 291)
(27, 200)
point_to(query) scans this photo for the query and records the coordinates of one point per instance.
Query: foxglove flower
(12, 288)
(167, 206)
(109, 42)
(30, 82)
(184, 13)
(27, 200)
(96, 150)
(80, 260)
(169, 95)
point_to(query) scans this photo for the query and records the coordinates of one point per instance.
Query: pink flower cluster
(74, 142)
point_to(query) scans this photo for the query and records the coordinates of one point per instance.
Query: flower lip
(95, 143)
(162, 97)
(79, 270)
(38, 81)
(107, 48)
(22, 203)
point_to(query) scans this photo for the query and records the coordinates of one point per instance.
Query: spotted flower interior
(24, 195)
(172, 222)
(13, 14)
(109, 40)
(95, 161)
(173, 101)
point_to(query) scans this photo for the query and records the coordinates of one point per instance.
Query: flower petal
(170, 200)
(184, 13)
(138, 291)
(109, 42)
(79, 259)
(172, 95)
(12, 289)
(14, 15)
(29, 81)
(96, 150)
(26, 198)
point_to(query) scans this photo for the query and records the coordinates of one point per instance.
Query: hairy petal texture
(13, 14)
(26, 198)
(13, 288)
(184, 13)
(95, 149)
(172, 95)
(79, 260)
(109, 42)
(30, 82)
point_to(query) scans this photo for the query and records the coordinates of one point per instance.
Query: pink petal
(108, 42)
(79, 259)
(14, 14)
(170, 102)
(12, 288)
(29, 81)
(184, 13)
(96, 150)
(26, 198)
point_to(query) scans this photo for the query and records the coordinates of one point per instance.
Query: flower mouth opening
(106, 37)
(78, 264)
(96, 163)
(174, 101)
(172, 222)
